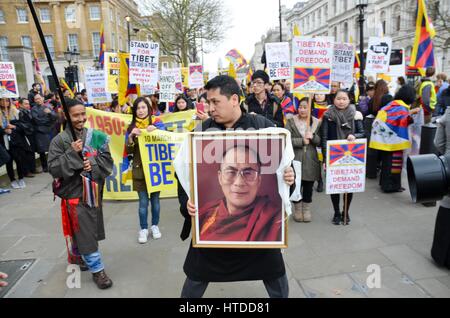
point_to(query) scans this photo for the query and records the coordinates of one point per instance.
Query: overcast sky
(250, 19)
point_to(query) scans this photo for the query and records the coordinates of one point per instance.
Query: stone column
(106, 18)
(84, 34)
(59, 37)
(23, 62)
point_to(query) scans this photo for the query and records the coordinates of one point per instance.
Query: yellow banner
(158, 150)
(112, 68)
(115, 125)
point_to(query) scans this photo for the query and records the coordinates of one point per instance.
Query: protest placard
(168, 89)
(176, 73)
(312, 59)
(343, 63)
(144, 60)
(346, 166)
(8, 81)
(96, 87)
(379, 55)
(112, 69)
(195, 76)
(278, 60)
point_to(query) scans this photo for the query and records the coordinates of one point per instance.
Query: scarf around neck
(344, 119)
(143, 123)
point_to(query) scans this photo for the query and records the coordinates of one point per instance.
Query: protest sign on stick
(278, 60)
(96, 87)
(112, 69)
(312, 60)
(8, 80)
(195, 76)
(379, 55)
(343, 63)
(144, 61)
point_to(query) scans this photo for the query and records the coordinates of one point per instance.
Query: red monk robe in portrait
(261, 221)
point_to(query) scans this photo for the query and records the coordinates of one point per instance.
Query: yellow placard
(112, 68)
(185, 76)
(115, 125)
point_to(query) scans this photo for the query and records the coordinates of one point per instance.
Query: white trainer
(22, 184)
(143, 236)
(155, 232)
(15, 185)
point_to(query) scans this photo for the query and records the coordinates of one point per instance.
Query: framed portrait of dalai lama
(235, 189)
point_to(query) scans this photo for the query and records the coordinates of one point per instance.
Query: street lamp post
(201, 37)
(128, 19)
(362, 5)
(71, 72)
(281, 24)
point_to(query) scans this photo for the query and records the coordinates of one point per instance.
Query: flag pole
(52, 67)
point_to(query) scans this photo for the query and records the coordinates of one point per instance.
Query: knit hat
(262, 75)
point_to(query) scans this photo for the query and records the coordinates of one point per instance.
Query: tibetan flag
(125, 88)
(236, 58)
(288, 107)
(101, 58)
(423, 53)
(249, 74)
(319, 110)
(390, 128)
(347, 153)
(38, 73)
(319, 77)
(64, 84)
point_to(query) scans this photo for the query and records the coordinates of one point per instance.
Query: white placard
(312, 60)
(195, 76)
(278, 60)
(379, 55)
(8, 80)
(343, 63)
(144, 60)
(168, 89)
(96, 87)
(176, 73)
(346, 166)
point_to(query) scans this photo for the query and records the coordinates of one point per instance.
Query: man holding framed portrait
(238, 167)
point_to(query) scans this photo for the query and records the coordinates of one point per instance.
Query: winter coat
(43, 124)
(310, 161)
(272, 111)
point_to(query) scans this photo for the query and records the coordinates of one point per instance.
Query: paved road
(322, 260)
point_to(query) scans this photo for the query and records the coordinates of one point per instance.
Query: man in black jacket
(261, 102)
(227, 265)
(35, 89)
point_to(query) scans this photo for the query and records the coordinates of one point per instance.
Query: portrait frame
(206, 175)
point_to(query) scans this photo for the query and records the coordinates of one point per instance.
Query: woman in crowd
(287, 104)
(341, 122)
(143, 119)
(9, 138)
(390, 137)
(203, 114)
(305, 139)
(380, 98)
(182, 104)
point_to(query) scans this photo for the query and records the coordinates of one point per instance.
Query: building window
(399, 23)
(345, 32)
(22, 15)
(113, 41)
(96, 43)
(73, 42)
(111, 15)
(94, 13)
(120, 44)
(119, 20)
(3, 50)
(165, 65)
(71, 13)
(2, 17)
(26, 41)
(50, 44)
(45, 15)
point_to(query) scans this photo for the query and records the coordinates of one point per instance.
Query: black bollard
(427, 147)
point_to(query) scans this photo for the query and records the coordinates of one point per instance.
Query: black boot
(337, 218)
(320, 186)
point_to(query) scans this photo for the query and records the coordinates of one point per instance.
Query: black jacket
(329, 130)
(226, 265)
(272, 111)
(31, 95)
(22, 136)
(444, 100)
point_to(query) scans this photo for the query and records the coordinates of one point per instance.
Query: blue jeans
(94, 262)
(143, 208)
